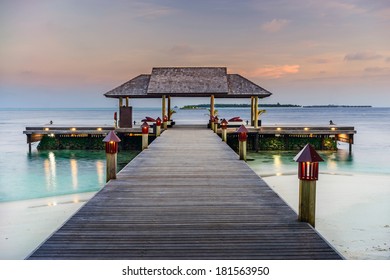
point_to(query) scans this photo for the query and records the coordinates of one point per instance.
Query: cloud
(274, 25)
(388, 59)
(362, 56)
(377, 69)
(319, 60)
(274, 71)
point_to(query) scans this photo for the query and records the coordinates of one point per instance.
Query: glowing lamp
(308, 160)
(145, 128)
(111, 141)
(242, 133)
(158, 121)
(212, 118)
(224, 124)
(216, 120)
(165, 118)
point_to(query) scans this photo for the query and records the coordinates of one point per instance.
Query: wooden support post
(212, 109)
(252, 110)
(350, 141)
(307, 201)
(127, 102)
(169, 108)
(242, 149)
(145, 141)
(164, 112)
(120, 102)
(111, 160)
(224, 135)
(256, 112)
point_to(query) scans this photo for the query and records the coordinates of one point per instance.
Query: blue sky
(68, 53)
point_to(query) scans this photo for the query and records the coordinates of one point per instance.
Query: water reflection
(100, 171)
(74, 171)
(49, 165)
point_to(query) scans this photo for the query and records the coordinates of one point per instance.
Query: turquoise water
(51, 173)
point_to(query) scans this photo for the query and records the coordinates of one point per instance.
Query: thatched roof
(188, 82)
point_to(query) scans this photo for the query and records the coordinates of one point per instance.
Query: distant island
(337, 106)
(206, 106)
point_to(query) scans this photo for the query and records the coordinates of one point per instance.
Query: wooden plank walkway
(186, 197)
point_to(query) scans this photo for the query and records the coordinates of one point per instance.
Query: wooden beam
(256, 112)
(169, 108)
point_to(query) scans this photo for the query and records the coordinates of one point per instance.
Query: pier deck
(186, 197)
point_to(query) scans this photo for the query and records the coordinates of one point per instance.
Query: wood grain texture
(187, 196)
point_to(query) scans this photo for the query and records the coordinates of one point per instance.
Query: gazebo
(167, 82)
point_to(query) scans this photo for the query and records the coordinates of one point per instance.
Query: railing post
(145, 135)
(242, 137)
(307, 160)
(158, 127)
(216, 124)
(111, 141)
(224, 124)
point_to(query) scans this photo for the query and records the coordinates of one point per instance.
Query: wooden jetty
(186, 197)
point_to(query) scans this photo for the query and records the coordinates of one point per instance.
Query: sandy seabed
(352, 214)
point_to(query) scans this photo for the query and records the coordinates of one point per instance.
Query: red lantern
(111, 141)
(242, 133)
(308, 160)
(165, 118)
(216, 120)
(145, 128)
(224, 124)
(158, 121)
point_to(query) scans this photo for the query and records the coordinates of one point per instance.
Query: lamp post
(224, 124)
(158, 127)
(212, 122)
(216, 124)
(111, 141)
(307, 160)
(145, 135)
(165, 122)
(242, 136)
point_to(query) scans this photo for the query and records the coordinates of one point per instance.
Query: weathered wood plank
(186, 197)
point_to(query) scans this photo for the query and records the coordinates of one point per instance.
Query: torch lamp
(158, 127)
(224, 124)
(145, 135)
(212, 118)
(111, 141)
(216, 121)
(165, 121)
(242, 137)
(308, 160)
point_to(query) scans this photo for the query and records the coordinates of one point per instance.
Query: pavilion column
(163, 111)
(252, 109)
(212, 108)
(256, 112)
(169, 108)
(120, 102)
(127, 102)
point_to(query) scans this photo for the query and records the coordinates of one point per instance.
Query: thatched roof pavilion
(167, 82)
(188, 82)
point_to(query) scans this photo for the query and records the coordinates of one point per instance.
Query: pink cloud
(274, 71)
(274, 25)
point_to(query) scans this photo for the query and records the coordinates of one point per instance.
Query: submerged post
(307, 160)
(242, 137)
(224, 124)
(145, 135)
(158, 127)
(111, 141)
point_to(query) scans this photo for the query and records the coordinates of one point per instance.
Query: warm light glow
(73, 172)
(46, 128)
(49, 166)
(99, 129)
(100, 171)
(73, 129)
(306, 128)
(333, 128)
(51, 134)
(279, 128)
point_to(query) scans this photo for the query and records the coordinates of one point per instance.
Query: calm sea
(51, 173)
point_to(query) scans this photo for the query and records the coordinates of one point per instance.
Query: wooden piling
(111, 161)
(307, 201)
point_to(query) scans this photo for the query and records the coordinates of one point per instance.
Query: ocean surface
(52, 173)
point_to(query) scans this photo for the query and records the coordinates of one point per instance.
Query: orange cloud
(274, 71)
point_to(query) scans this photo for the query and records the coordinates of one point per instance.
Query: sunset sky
(69, 53)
